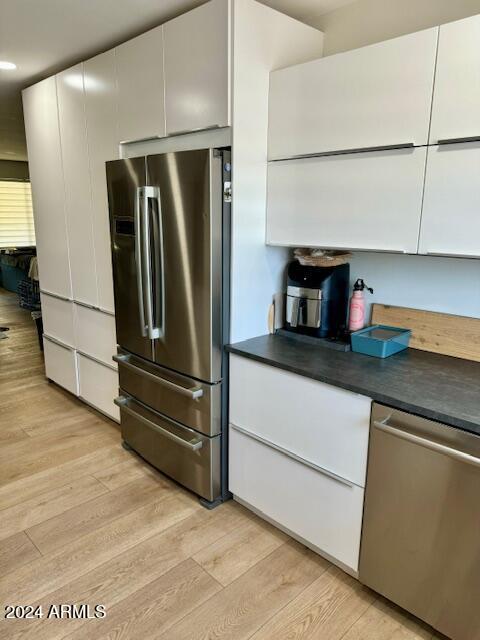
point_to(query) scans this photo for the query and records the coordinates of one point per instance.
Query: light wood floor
(83, 521)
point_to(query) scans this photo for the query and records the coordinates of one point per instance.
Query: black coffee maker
(317, 300)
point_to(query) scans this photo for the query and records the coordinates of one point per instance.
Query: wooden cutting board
(456, 336)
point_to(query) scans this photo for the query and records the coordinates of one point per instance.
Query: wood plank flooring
(82, 521)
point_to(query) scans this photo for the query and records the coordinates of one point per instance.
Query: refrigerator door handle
(138, 259)
(146, 193)
(159, 257)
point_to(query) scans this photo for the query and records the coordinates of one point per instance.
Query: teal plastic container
(380, 340)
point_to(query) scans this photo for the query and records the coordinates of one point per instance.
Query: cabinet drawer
(60, 365)
(318, 422)
(321, 510)
(98, 385)
(95, 334)
(57, 316)
(353, 201)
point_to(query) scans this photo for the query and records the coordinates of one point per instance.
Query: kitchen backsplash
(449, 285)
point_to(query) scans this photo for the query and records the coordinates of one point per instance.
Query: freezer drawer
(194, 404)
(421, 529)
(183, 454)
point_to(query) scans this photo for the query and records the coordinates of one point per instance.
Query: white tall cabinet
(78, 193)
(46, 175)
(102, 135)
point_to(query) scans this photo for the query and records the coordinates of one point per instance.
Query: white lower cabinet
(298, 455)
(57, 317)
(98, 385)
(60, 364)
(323, 424)
(95, 334)
(322, 511)
(351, 201)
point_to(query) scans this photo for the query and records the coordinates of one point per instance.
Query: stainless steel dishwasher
(421, 528)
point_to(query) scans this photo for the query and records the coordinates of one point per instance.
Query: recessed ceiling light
(8, 66)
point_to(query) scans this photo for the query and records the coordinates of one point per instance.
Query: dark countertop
(429, 385)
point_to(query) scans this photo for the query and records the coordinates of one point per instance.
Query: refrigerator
(170, 239)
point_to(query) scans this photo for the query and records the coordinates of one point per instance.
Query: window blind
(16, 215)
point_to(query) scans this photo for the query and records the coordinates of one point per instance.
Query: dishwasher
(421, 527)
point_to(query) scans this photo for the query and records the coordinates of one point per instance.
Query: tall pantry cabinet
(69, 141)
(176, 78)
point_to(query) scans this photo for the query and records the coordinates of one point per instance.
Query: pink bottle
(356, 317)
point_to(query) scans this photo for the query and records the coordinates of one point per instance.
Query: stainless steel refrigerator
(169, 220)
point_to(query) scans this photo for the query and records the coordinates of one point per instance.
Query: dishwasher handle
(454, 454)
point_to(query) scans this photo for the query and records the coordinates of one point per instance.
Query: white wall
(263, 40)
(368, 21)
(450, 285)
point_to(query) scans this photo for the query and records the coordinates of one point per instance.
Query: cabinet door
(451, 208)
(78, 201)
(141, 100)
(379, 95)
(197, 68)
(46, 175)
(98, 385)
(102, 135)
(57, 317)
(60, 365)
(456, 101)
(95, 334)
(353, 201)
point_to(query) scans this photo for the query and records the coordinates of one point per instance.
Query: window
(16, 215)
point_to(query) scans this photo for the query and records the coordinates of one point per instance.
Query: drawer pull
(191, 392)
(293, 456)
(192, 445)
(182, 132)
(342, 152)
(459, 140)
(58, 342)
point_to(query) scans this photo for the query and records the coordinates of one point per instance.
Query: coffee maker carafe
(317, 300)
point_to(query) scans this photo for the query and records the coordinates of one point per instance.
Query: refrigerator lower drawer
(195, 404)
(187, 456)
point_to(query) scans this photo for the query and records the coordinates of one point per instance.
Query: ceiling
(44, 36)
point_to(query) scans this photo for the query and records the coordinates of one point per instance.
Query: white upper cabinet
(197, 68)
(451, 207)
(375, 96)
(78, 201)
(456, 101)
(102, 134)
(351, 201)
(141, 100)
(46, 175)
